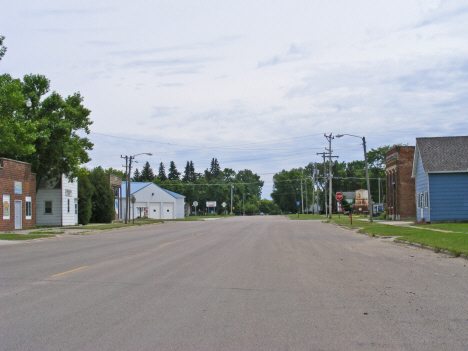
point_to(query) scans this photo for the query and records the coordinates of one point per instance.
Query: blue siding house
(440, 169)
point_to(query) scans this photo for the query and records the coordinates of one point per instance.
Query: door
(154, 210)
(168, 210)
(18, 215)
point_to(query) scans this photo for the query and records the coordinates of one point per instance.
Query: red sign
(339, 196)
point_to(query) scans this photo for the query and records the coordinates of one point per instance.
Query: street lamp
(369, 200)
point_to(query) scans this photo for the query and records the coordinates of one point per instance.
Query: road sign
(339, 196)
(223, 204)
(298, 203)
(195, 203)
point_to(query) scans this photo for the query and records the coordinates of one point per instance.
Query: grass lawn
(306, 216)
(457, 243)
(12, 236)
(453, 227)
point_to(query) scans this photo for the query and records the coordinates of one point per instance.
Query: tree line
(298, 184)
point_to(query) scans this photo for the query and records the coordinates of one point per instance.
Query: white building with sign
(152, 201)
(57, 203)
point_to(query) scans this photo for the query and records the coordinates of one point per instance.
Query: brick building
(400, 184)
(18, 194)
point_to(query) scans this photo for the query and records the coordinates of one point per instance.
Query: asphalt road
(252, 283)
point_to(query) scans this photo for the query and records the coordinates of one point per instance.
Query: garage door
(154, 210)
(168, 210)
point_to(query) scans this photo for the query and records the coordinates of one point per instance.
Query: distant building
(440, 171)
(18, 195)
(57, 202)
(152, 201)
(400, 185)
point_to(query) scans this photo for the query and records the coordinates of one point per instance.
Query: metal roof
(137, 186)
(443, 154)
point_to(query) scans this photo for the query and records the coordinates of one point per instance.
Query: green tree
(85, 193)
(186, 178)
(215, 170)
(162, 172)
(58, 147)
(2, 48)
(173, 172)
(102, 199)
(287, 189)
(18, 132)
(117, 172)
(136, 176)
(147, 174)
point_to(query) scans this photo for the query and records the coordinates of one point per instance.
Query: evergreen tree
(85, 193)
(215, 170)
(147, 174)
(102, 200)
(162, 172)
(136, 176)
(193, 175)
(187, 177)
(173, 172)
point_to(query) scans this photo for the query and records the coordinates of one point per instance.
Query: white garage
(152, 201)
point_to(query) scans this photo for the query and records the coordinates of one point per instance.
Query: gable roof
(442, 154)
(137, 186)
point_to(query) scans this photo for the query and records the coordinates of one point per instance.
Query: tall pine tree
(162, 172)
(193, 175)
(147, 174)
(136, 176)
(187, 178)
(214, 169)
(174, 174)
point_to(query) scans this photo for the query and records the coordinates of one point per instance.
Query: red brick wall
(11, 171)
(405, 185)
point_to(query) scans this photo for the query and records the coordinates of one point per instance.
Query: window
(48, 207)
(76, 208)
(426, 199)
(28, 204)
(68, 205)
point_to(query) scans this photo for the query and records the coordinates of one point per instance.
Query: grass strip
(12, 236)
(453, 227)
(306, 217)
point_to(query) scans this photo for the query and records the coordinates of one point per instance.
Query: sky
(255, 84)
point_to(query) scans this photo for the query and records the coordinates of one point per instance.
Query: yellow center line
(173, 242)
(73, 270)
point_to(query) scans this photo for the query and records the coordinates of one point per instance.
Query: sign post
(338, 197)
(195, 203)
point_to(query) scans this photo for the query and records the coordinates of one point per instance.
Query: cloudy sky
(255, 84)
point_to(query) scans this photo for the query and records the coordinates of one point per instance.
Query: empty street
(243, 283)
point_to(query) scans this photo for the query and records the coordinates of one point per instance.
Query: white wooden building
(152, 201)
(57, 203)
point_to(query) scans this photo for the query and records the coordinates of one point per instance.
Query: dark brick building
(18, 195)
(400, 185)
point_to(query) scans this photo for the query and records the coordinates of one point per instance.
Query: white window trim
(28, 200)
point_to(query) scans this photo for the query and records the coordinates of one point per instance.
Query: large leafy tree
(2, 48)
(18, 132)
(59, 147)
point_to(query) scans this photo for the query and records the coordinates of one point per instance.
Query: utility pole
(302, 198)
(330, 204)
(328, 207)
(313, 189)
(126, 189)
(369, 197)
(307, 204)
(232, 187)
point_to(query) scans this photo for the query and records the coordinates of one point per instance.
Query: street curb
(430, 248)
